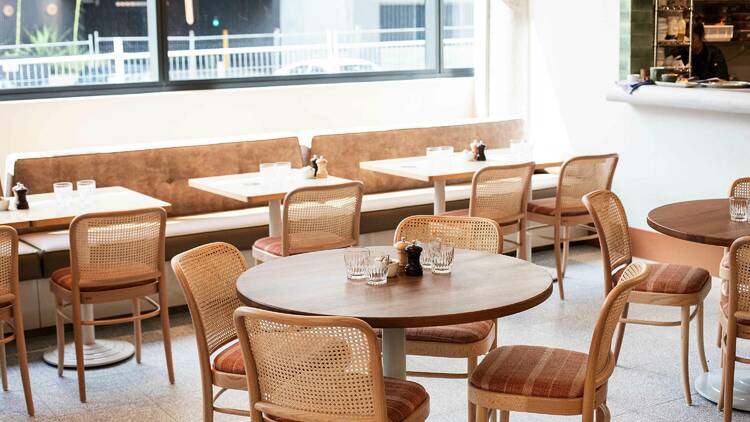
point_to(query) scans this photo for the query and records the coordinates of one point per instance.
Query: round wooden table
(481, 286)
(706, 221)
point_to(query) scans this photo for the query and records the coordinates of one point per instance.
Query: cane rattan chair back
(612, 226)
(581, 175)
(740, 188)
(321, 217)
(121, 247)
(500, 193)
(739, 278)
(208, 275)
(8, 261)
(311, 368)
(473, 233)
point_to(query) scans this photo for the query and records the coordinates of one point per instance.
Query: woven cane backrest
(741, 188)
(208, 276)
(473, 233)
(600, 351)
(312, 365)
(739, 279)
(322, 217)
(8, 260)
(581, 175)
(612, 227)
(500, 193)
(118, 246)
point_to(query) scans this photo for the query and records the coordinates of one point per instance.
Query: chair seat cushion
(64, 278)
(724, 267)
(402, 398)
(230, 360)
(304, 242)
(532, 371)
(457, 213)
(724, 302)
(271, 244)
(6, 299)
(458, 334)
(670, 278)
(546, 206)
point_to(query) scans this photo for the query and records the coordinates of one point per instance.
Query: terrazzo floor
(645, 386)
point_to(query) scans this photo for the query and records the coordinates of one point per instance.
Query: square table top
(420, 168)
(44, 210)
(248, 187)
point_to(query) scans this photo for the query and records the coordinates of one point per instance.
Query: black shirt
(709, 63)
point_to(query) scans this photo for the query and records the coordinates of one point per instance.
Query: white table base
(439, 201)
(394, 353)
(708, 384)
(95, 352)
(274, 217)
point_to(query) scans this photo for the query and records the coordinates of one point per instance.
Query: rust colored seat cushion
(458, 334)
(672, 279)
(724, 302)
(402, 398)
(532, 371)
(64, 278)
(271, 244)
(6, 299)
(230, 360)
(457, 213)
(305, 242)
(546, 206)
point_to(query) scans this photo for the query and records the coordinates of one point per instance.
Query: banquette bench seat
(197, 217)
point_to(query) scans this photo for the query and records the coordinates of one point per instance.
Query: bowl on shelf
(669, 77)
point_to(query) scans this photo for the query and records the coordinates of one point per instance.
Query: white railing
(109, 60)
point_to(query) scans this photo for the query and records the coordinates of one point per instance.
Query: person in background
(708, 60)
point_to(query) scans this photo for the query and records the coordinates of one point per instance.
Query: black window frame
(164, 84)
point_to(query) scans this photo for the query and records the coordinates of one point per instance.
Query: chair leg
(566, 248)
(620, 332)
(3, 361)
(558, 263)
(137, 329)
(504, 416)
(60, 331)
(720, 401)
(729, 363)
(699, 337)
(685, 337)
(522, 241)
(78, 341)
(164, 304)
(718, 337)
(471, 364)
(481, 414)
(23, 362)
(208, 401)
(603, 414)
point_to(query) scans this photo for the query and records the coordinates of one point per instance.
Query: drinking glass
(432, 154)
(283, 170)
(377, 269)
(267, 172)
(442, 258)
(86, 190)
(355, 260)
(63, 193)
(520, 148)
(738, 208)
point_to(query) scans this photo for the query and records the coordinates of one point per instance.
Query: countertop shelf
(735, 101)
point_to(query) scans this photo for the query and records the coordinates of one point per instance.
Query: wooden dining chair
(734, 319)
(114, 256)
(303, 368)
(315, 218)
(501, 193)
(10, 312)
(208, 275)
(467, 341)
(667, 284)
(537, 379)
(578, 176)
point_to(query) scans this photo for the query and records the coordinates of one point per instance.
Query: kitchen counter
(706, 99)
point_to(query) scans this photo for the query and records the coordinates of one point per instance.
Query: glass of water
(425, 259)
(377, 269)
(86, 190)
(63, 193)
(267, 171)
(738, 208)
(442, 258)
(355, 260)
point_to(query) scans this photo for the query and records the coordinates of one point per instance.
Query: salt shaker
(322, 167)
(413, 267)
(401, 246)
(20, 191)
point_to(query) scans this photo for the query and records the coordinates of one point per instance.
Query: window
(176, 44)
(47, 43)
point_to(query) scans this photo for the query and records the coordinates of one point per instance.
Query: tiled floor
(646, 385)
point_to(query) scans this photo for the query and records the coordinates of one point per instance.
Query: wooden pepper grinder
(480, 151)
(20, 191)
(322, 167)
(401, 246)
(413, 266)
(314, 165)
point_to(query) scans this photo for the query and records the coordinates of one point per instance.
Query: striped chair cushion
(64, 278)
(458, 333)
(546, 206)
(271, 244)
(672, 279)
(532, 371)
(724, 302)
(6, 299)
(402, 398)
(457, 213)
(230, 360)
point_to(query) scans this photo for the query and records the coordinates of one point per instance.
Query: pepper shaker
(20, 191)
(480, 151)
(413, 266)
(314, 165)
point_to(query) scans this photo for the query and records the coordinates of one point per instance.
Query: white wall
(666, 155)
(39, 125)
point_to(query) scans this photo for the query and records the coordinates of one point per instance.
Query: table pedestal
(95, 352)
(274, 217)
(708, 384)
(439, 201)
(394, 353)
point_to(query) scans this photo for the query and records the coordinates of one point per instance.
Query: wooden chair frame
(210, 376)
(262, 410)
(74, 298)
(594, 399)
(12, 316)
(562, 224)
(262, 256)
(683, 301)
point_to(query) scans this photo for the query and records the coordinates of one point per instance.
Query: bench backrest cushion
(162, 172)
(345, 151)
